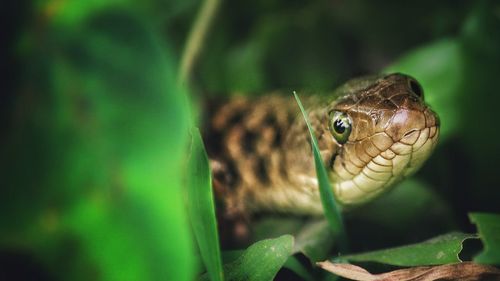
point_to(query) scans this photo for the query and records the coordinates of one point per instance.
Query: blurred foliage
(91, 167)
(95, 128)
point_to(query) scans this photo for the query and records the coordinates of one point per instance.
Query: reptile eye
(340, 126)
(416, 88)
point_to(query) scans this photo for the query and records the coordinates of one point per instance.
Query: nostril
(409, 133)
(410, 137)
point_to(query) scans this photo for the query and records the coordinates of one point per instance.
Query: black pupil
(339, 126)
(415, 87)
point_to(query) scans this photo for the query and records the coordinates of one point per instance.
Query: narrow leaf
(488, 226)
(330, 207)
(201, 207)
(439, 250)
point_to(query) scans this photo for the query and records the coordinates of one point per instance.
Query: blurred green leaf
(261, 261)
(488, 226)
(439, 250)
(104, 189)
(201, 207)
(71, 13)
(330, 208)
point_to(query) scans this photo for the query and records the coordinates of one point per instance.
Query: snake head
(385, 132)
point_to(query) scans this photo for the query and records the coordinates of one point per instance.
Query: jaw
(355, 184)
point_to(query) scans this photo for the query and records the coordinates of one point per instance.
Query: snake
(372, 132)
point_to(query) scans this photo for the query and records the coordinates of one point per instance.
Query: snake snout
(415, 134)
(371, 165)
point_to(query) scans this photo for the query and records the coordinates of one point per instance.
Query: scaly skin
(261, 155)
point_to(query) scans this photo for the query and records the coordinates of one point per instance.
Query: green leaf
(292, 263)
(330, 207)
(488, 226)
(261, 261)
(442, 249)
(201, 207)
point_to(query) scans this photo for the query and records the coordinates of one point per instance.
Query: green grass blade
(330, 207)
(201, 207)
